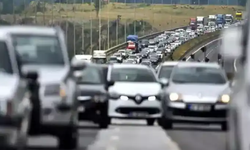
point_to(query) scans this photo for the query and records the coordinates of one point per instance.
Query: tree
(97, 5)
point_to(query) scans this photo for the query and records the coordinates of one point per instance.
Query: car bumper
(179, 112)
(91, 110)
(55, 112)
(128, 109)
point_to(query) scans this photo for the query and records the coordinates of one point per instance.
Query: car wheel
(167, 124)
(104, 123)
(224, 126)
(150, 122)
(159, 121)
(68, 140)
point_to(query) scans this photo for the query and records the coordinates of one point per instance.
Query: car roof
(170, 63)
(129, 66)
(18, 29)
(198, 64)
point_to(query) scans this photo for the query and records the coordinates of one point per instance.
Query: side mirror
(109, 84)
(78, 66)
(206, 59)
(77, 74)
(31, 75)
(164, 82)
(184, 59)
(219, 56)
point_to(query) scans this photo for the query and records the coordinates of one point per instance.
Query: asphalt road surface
(121, 135)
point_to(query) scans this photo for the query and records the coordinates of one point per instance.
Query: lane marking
(203, 46)
(235, 65)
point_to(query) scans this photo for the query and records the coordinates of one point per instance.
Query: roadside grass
(159, 16)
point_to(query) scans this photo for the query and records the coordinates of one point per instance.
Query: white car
(164, 70)
(134, 94)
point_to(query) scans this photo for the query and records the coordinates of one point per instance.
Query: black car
(144, 43)
(93, 95)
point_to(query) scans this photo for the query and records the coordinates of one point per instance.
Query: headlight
(151, 98)
(125, 98)
(55, 90)
(174, 96)
(224, 98)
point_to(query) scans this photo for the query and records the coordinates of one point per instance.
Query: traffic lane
(132, 135)
(87, 135)
(211, 52)
(198, 137)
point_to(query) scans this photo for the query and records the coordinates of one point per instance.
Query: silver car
(15, 106)
(43, 50)
(195, 93)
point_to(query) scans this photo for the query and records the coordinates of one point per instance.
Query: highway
(135, 135)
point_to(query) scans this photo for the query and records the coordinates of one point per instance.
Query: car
(130, 61)
(93, 97)
(165, 69)
(147, 63)
(119, 57)
(131, 97)
(124, 53)
(154, 58)
(17, 91)
(135, 57)
(144, 43)
(195, 93)
(113, 59)
(43, 50)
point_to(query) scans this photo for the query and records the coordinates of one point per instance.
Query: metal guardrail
(123, 45)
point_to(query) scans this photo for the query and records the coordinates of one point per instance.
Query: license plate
(138, 114)
(199, 107)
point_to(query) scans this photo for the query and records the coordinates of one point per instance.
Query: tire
(150, 122)
(224, 126)
(159, 121)
(167, 124)
(103, 124)
(68, 140)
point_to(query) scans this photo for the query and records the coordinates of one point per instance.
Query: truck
(211, 20)
(229, 19)
(193, 23)
(99, 57)
(238, 15)
(220, 19)
(200, 20)
(132, 42)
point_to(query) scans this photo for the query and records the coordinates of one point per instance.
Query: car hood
(132, 88)
(7, 86)
(48, 74)
(197, 92)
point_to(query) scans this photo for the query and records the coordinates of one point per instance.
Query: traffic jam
(43, 92)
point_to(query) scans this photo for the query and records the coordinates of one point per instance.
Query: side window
(5, 62)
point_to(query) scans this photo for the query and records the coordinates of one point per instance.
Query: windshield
(117, 54)
(112, 59)
(165, 72)
(36, 49)
(91, 75)
(201, 75)
(228, 17)
(99, 60)
(132, 75)
(5, 63)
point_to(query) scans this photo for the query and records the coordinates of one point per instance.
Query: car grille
(143, 98)
(127, 110)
